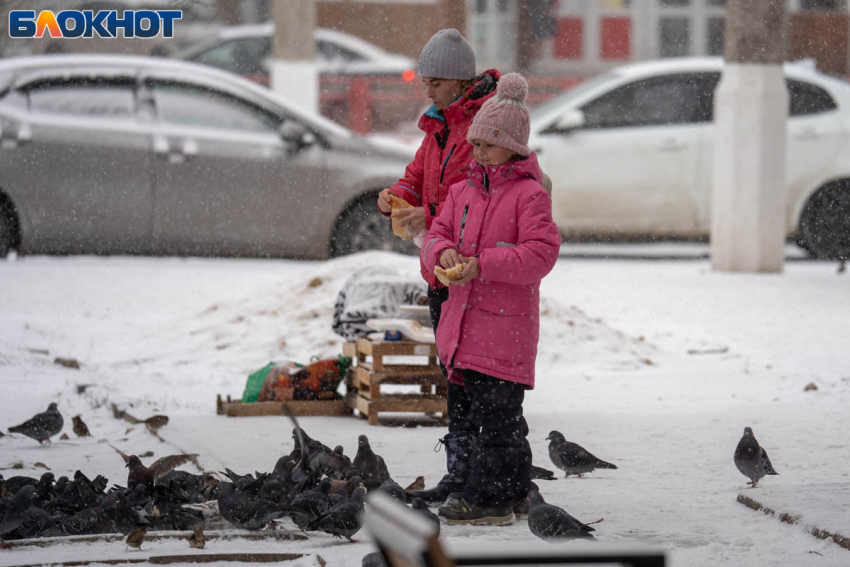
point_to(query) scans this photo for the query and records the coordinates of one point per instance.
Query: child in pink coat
(497, 224)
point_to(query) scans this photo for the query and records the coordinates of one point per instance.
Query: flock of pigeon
(316, 487)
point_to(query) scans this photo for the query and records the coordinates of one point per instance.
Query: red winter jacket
(444, 153)
(504, 217)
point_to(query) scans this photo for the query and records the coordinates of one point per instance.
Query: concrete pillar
(292, 67)
(751, 103)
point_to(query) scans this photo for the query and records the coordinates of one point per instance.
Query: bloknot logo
(87, 23)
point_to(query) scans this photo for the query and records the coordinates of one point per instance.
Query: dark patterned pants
(500, 464)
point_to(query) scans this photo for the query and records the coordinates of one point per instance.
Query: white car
(630, 154)
(245, 49)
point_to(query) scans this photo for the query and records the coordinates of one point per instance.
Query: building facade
(591, 36)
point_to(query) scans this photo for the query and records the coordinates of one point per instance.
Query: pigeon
(96, 520)
(327, 462)
(241, 481)
(15, 483)
(273, 490)
(751, 459)
(308, 506)
(340, 453)
(140, 474)
(184, 481)
(17, 510)
(35, 522)
(338, 497)
(374, 559)
(422, 509)
(80, 427)
(551, 523)
(136, 537)
(300, 450)
(539, 473)
(343, 520)
(98, 485)
(42, 426)
(44, 486)
(65, 498)
(368, 463)
(245, 510)
(125, 519)
(197, 539)
(394, 490)
(572, 458)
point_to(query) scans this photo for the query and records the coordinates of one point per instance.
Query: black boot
(459, 447)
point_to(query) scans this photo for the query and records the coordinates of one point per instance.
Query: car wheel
(7, 230)
(362, 227)
(825, 222)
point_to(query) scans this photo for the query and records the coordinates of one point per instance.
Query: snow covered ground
(656, 366)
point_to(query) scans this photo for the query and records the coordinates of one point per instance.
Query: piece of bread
(400, 230)
(446, 277)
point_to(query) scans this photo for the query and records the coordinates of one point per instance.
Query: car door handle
(189, 149)
(670, 145)
(162, 148)
(23, 136)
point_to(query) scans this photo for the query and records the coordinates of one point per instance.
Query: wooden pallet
(374, 370)
(235, 408)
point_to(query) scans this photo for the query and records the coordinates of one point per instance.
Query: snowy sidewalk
(654, 366)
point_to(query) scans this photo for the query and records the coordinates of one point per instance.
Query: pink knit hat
(503, 120)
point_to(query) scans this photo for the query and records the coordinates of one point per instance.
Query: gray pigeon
(125, 518)
(751, 459)
(573, 458)
(245, 510)
(374, 559)
(15, 483)
(43, 426)
(35, 522)
(16, 511)
(422, 509)
(43, 486)
(539, 473)
(327, 462)
(338, 497)
(299, 451)
(551, 523)
(393, 489)
(95, 520)
(308, 506)
(343, 520)
(368, 463)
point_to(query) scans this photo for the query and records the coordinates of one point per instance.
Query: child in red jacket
(496, 228)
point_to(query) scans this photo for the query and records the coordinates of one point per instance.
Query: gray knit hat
(447, 55)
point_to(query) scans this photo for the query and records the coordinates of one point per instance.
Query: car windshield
(542, 110)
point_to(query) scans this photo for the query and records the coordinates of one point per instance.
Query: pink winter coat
(492, 323)
(443, 155)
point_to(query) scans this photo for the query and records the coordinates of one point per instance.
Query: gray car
(132, 155)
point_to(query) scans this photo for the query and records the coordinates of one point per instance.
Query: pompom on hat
(504, 119)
